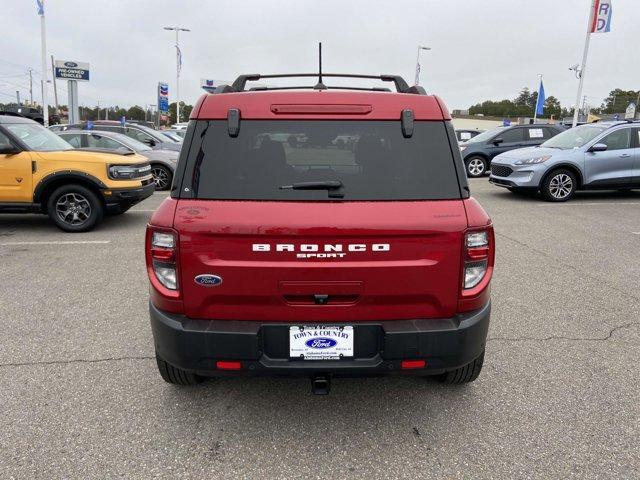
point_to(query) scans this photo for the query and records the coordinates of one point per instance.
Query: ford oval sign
(70, 64)
(321, 342)
(208, 280)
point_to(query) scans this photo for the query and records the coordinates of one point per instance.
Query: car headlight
(128, 172)
(533, 161)
(463, 148)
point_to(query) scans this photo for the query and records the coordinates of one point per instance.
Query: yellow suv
(41, 173)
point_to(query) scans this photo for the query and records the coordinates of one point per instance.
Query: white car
(179, 126)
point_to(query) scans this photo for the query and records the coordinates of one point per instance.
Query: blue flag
(40, 4)
(541, 99)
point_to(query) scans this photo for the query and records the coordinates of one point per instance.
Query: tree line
(521, 106)
(525, 103)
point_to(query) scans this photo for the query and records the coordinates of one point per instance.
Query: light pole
(151, 107)
(420, 48)
(178, 67)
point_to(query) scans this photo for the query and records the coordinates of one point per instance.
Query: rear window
(372, 160)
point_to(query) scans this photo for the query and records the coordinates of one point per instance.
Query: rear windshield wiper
(334, 187)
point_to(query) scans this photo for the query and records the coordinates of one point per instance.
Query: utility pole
(178, 67)
(55, 86)
(43, 42)
(18, 96)
(98, 110)
(31, 85)
(420, 48)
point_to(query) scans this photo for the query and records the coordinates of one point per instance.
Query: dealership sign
(68, 70)
(163, 97)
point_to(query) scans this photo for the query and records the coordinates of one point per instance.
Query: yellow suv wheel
(74, 208)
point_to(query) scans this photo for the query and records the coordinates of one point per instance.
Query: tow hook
(320, 384)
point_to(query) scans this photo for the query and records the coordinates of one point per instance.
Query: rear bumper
(263, 348)
(118, 199)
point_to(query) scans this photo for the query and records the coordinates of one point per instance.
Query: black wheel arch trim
(65, 175)
(575, 170)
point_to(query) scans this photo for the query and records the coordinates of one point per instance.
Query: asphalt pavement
(80, 396)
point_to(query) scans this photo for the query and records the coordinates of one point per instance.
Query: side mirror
(497, 141)
(151, 142)
(598, 147)
(9, 150)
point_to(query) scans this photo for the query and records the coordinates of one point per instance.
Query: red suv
(320, 231)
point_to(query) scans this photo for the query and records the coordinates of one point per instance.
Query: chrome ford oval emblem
(208, 280)
(70, 64)
(321, 342)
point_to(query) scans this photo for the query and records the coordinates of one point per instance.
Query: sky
(480, 49)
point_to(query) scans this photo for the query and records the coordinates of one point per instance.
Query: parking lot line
(61, 242)
(577, 204)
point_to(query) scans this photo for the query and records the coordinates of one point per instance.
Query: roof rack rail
(313, 87)
(240, 83)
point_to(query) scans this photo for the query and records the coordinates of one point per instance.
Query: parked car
(58, 127)
(481, 149)
(273, 259)
(601, 155)
(146, 123)
(163, 162)
(179, 133)
(146, 135)
(31, 113)
(41, 173)
(464, 135)
(180, 126)
(173, 135)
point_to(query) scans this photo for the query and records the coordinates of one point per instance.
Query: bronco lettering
(327, 247)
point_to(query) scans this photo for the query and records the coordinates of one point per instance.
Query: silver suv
(603, 155)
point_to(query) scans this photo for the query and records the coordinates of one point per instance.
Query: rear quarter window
(372, 159)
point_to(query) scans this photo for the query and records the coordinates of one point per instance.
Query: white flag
(601, 16)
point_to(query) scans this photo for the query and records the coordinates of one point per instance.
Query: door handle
(625, 155)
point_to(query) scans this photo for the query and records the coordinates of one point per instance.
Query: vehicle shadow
(11, 224)
(580, 197)
(39, 225)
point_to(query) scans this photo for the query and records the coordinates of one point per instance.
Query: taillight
(477, 253)
(162, 260)
(163, 250)
(477, 267)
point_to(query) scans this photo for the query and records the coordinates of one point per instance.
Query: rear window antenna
(320, 85)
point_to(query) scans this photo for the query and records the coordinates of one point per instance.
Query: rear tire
(465, 374)
(475, 166)
(74, 208)
(176, 376)
(559, 185)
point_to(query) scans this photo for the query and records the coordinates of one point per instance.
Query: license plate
(320, 342)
